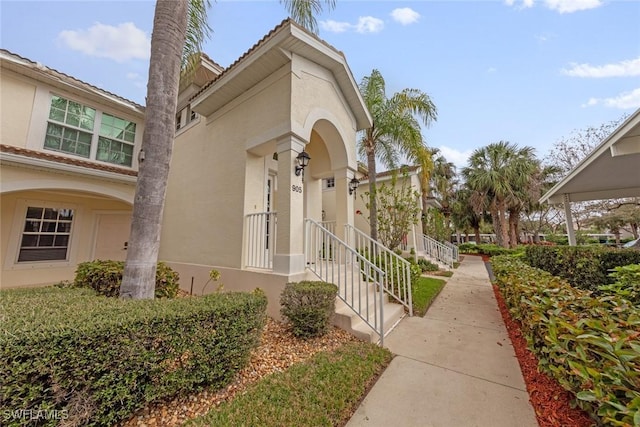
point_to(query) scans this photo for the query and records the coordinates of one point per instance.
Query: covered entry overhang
(611, 171)
(289, 93)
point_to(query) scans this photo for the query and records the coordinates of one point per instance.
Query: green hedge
(584, 267)
(105, 277)
(95, 360)
(309, 306)
(589, 345)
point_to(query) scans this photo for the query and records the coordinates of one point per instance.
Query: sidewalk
(455, 367)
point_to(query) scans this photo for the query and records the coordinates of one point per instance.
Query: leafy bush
(589, 345)
(426, 265)
(105, 277)
(493, 250)
(627, 283)
(96, 360)
(309, 307)
(468, 248)
(586, 268)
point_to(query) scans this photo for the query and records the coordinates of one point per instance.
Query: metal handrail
(398, 278)
(454, 248)
(260, 245)
(333, 261)
(439, 251)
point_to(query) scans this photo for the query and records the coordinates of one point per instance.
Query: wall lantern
(303, 161)
(353, 185)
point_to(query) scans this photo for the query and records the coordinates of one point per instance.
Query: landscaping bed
(551, 402)
(278, 350)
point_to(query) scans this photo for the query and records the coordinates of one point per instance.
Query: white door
(111, 236)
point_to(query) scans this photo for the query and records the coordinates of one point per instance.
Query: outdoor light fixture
(353, 185)
(303, 161)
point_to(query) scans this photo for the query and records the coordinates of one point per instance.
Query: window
(45, 236)
(328, 183)
(116, 140)
(71, 129)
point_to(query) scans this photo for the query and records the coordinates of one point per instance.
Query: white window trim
(20, 213)
(325, 184)
(40, 118)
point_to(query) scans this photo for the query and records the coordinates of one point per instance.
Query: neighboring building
(68, 154)
(407, 176)
(69, 161)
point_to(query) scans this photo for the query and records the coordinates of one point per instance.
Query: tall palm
(497, 172)
(179, 29)
(395, 130)
(444, 182)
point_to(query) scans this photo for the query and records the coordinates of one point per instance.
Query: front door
(112, 235)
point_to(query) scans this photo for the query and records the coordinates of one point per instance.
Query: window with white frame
(116, 140)
(46, 234)
(328, 183)
(71, 129)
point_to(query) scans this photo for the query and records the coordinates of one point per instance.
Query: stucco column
(569, 219)
(289, 256)
(344, 201)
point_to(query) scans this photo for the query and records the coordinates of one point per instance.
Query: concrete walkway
(455, 367)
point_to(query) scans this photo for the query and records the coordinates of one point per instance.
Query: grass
(323, 391)
(424, 292)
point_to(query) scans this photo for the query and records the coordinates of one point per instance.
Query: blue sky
(526, 71)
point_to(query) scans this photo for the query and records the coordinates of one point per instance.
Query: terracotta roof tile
(57, 73)
(33, 154)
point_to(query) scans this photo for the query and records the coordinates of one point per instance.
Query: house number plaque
(296, 188)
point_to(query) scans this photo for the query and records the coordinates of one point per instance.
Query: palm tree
(496, 173)
(395, 130)
(179, 29)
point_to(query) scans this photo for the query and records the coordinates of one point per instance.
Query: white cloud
(335, 26)
(405, 15)
(120, 43)
(138, 80)
(365, 24)
(626, 68)
(491, 70)
(369, 24)
(457, 157)
(625, 100)
(561, 6)
(570, 6)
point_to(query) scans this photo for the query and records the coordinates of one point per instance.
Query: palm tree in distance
(395, 130)
(179, 29)
(497, 173)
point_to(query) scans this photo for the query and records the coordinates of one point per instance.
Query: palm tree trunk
(504, 227)
(373, 208)
(167, 43)
(513, 228)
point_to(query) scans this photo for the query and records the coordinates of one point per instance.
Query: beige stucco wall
(16, 104)
(13, 208)
(214, 182)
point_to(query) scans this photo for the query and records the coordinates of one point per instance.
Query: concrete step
(346, 318)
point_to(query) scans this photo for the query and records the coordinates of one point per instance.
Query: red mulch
(551, 402)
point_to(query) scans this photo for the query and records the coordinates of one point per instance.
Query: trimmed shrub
(426, 265)
(309, 307)
(586, 268)
(468, 248)
(589, 345)
(96, 360)
(627, 283)
(105, 277)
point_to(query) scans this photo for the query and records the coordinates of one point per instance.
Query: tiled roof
(260, 42)
(70, 79)
(33, 154)
(391, 172)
